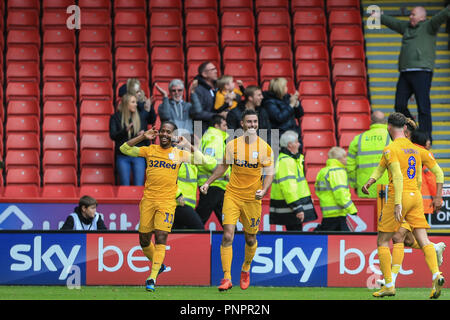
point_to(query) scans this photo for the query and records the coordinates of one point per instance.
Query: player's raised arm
(128, 148)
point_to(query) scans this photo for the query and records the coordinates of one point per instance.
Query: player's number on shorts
(411, 167)
(169, 218)
(255, 222)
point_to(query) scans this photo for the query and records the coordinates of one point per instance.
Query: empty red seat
(346, 137)
(274, 18)
(96, 91)
(312, 70)
(96, 18)
(271, 5)
(353, 122)
(274, 36)
(22, 19)
(95, 71)
(59, 123)
(270, 53)
(317, 105)
(316, 157)
(130, 192)
(236, 5)
(130, 18)
(59, 158)
(238, 19)
(92, 157)
(349, 70)
(59, 71)
(160, 37)
(95, 37)
(96, 141)
(59, 141)
(342, 4)
(310, 16)
(237, 36)
(345, 52)
(319, 139)
(21, 191)
(23, 107)
(22, 141)
(22, 53)
(21, 158)
(311, 172)
(201, 37)
(55, 53)
(89, 123)
(60, 37)
(317, 122)
(22, 124)
(314, 88)
(203, 18)
(241, 71)
(350, 34)
(97, 176)
(239, 53)
(98, 191)
(24, 37)
(25, 175)
(361, 106)
(22, 71)
(164, 5)
(33, 5)
(130, 5)
(56, 18)
(305, 35)
(175, 54)
(95, 107)
(97, 54)
(350, 89)
(60, 176)
(344, 17)
(304, 4)
(167, 71)
(276, 69)
(200, 4)
(98, 4)
(59, 90)
(130, 37)
(56, 4)
(311, 52)
(132, 69)
(51, 191)
(22, 91)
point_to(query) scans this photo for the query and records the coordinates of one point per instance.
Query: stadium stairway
(382, 50)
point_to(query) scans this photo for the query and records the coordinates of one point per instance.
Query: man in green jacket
(416, 60)
(213, 145)
(364, 154)
(290, 198)
(333, 192)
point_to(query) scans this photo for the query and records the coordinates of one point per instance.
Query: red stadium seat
(317, 122)
(319, 139)
(342, 4)
(316, 157)
(59, 71)
(22, 90)
(92, 18)
(274, 18)
(164, 5)
(130, 18)
(95, 54)
(314, 88)
(346, 137)
(271, 5)
(238, 19)
(236, 5)
(269, 36)
(175, 54)
(59, 123)
(96, 107)
(350, 89)
(95, 37)
(24, 37)
(23, 107)
(130, 5)
(310, 16)
(306, 4)
(96, 91)
(17, 53)
(22, 19)
(60, 176)
(306, 35)
(22, 141)
(127, 54)
(60, 90)
(55, 53)
(56, 4)
(237, 37)
(59, 158)
(241, 71)
(98, 191)
(51, 191)
(167, 71)
(25, 175)
(317, 105)
(344, 17)
(312, 70)
(59, 141)
(97, 176)
(97, 4)
(95, 71)
(201, 37)
(166, 19)
(60, 37)
(130, 37)
(130, 192)
(270, 53)
(361, 106)
(24, 5)
(91, 157)
(22, 71)
(347, 52)
(203, 18)
(21, 191)
(161, 37)
(354, 122)
(311, 52)
(21, 158)
(239, 53)
(349, 35)
(55, 18)
(349, 70)
(96, 141)
(276, 69)
(200, 4)
(22, 124)
(89, 123)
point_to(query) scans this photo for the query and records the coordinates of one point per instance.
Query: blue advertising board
(280, 260)
(42, 258)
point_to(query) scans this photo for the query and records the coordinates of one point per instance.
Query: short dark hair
(169, 122)
(250, 91)
(202, 67)
(216, 119)
(397, 119)
(419, 137)
(86, 201)
(248, 112)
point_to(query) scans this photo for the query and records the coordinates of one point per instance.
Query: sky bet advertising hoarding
(76, 259)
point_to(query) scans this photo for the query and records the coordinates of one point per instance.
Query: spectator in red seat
(128, 122)
(133, 87)
(85, 217)
(206, 91)
(283, 109)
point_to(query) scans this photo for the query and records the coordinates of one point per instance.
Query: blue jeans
(126, 165)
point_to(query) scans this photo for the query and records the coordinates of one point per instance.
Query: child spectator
(227, 96)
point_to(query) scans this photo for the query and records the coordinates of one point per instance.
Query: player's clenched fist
(204, 188)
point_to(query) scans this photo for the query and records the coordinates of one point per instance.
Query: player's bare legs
(155, 253)
(250, 248)
(226, 254)
(384, 255)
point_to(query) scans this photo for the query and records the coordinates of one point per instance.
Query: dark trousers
(186, 218)
(212, 201)
(333, 224)
(419, 83)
